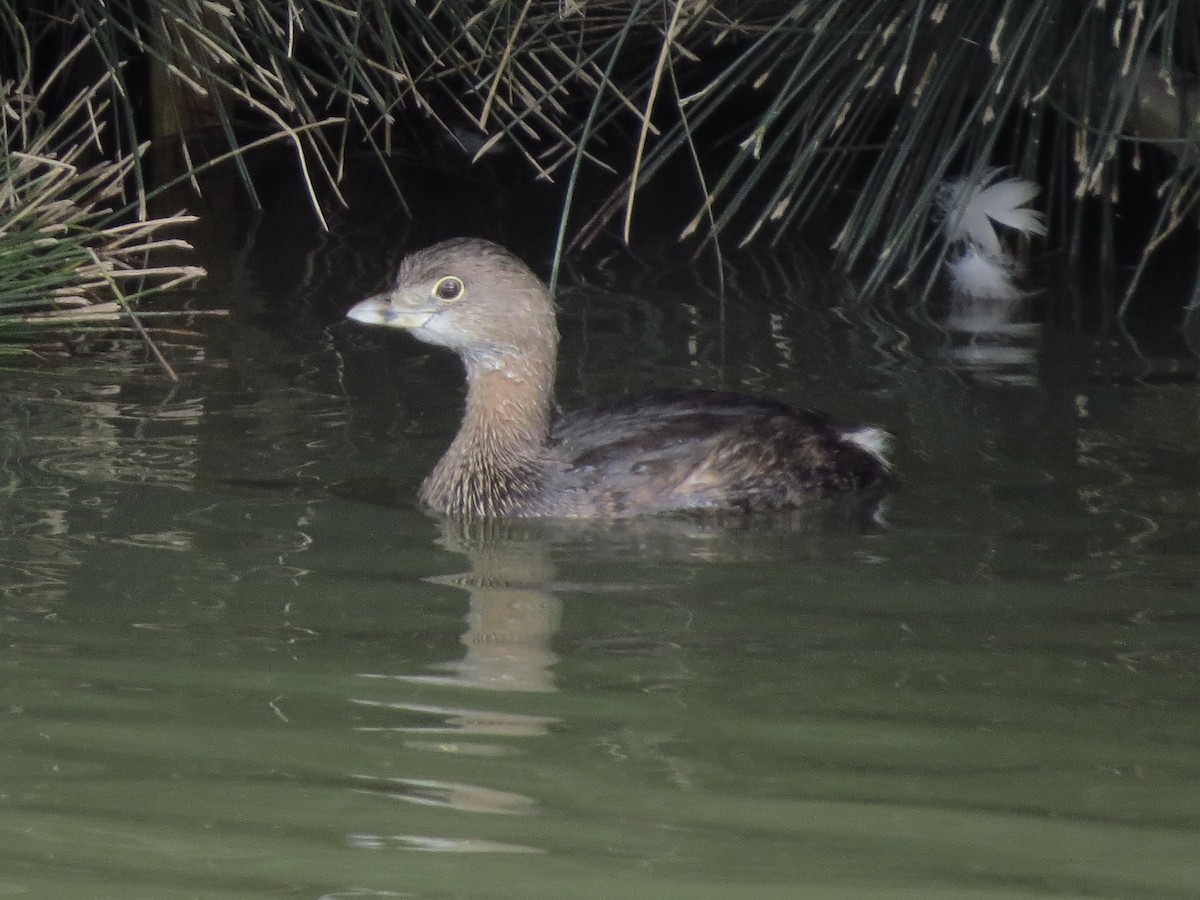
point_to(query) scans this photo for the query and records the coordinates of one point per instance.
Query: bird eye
(449, 288)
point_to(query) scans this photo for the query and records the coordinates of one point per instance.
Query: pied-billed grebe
(669, 451)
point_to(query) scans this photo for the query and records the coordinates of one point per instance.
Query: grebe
(670, 451)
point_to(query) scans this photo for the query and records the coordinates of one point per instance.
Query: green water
(236, 662)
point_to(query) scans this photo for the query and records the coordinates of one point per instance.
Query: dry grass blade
(68, 254)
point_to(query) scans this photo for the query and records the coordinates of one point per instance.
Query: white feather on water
(974, 273)
(972, 209)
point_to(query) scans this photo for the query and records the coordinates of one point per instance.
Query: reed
(857, 112)
(845, 115)
(72, 257)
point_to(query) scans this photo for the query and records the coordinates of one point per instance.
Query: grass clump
(74, 257)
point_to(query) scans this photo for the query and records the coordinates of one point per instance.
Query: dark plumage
(668, 451)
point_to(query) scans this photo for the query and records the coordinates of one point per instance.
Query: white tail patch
(875, 441)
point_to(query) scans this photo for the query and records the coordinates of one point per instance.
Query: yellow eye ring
(449, 288)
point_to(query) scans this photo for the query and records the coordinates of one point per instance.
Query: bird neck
(495, 463)
(508, 403)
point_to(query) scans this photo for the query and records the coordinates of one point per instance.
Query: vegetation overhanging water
(853, 117)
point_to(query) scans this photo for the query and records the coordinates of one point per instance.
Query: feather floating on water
(971, 209)
(984, 276)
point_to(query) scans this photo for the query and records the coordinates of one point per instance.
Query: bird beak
(380, 310)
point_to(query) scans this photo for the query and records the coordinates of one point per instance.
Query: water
(238, 663)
